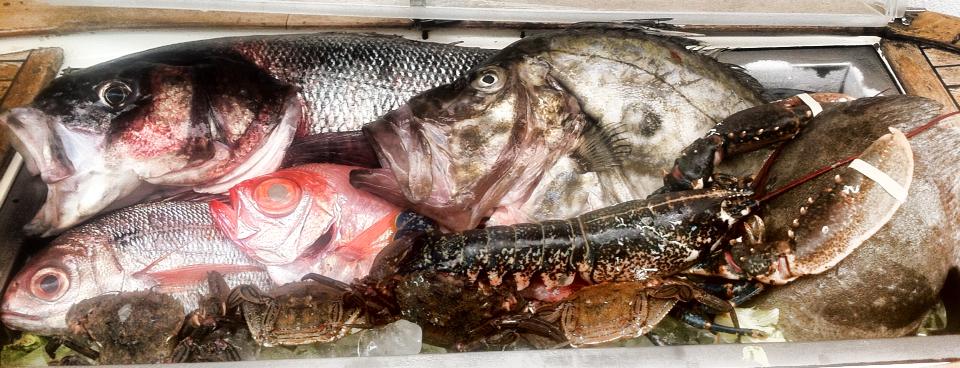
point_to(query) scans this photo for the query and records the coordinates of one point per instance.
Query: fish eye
(49, 284)
(277, 196)
(488, 80)
(115, 93)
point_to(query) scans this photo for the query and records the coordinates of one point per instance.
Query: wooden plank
(929, 27)
(4, 85)
(950, 75)
(8, 70)
(16, 56)
(35, 73)
(941, 57)
(915, 73)
(23, 17)
(38, 70)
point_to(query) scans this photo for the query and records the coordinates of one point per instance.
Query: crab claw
(862, 198)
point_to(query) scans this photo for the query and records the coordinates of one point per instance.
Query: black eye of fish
(487, 81)
(115, 93)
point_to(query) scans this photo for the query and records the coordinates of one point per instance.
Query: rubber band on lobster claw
(829, 226)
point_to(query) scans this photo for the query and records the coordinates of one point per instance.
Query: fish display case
(862, 48)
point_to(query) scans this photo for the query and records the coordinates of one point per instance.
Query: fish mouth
(400, 147)
(32, 323)
(6, 316)
(36, 140)
(225, 217)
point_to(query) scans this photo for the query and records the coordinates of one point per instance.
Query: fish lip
(398, 146)
(38, 143)
(7, 314)
(35, 324)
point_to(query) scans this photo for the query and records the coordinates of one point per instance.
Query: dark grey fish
(208, 114)
(552, 126)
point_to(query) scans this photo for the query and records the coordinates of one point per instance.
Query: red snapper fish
(309, 219)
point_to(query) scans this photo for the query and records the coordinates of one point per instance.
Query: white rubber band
(886, 182)
(815, 107)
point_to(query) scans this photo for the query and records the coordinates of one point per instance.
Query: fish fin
(360, 246)
(737, 71)
(651, 26)
(380, 182)
(344, 148)
(177, 278)
(741, 75)
(191, 196)
(773, 94)
(604, 146)
(318, 245)
(707, 50)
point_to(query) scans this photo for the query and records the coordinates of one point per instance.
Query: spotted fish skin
(631, 241)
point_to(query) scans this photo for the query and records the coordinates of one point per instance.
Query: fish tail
(344, 148)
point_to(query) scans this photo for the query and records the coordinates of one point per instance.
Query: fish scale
(164, 235)
(348, 80)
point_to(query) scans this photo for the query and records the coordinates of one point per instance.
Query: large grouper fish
(209, 114)
(552, 126)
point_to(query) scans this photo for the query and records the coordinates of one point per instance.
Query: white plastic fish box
(801, 56)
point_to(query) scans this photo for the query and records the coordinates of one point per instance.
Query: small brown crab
(298, 313)
(214, 332)
(127, 328)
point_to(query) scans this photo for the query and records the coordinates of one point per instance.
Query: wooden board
(939, 57)
(8, 69)
(37, 70)
(947, 66)
(932, 28)
(22, 17)
(915, 72)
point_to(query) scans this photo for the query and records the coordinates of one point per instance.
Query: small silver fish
(165, 246)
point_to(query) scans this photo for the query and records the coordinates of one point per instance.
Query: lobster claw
(861, 199)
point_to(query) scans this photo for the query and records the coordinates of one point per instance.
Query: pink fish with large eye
(307, 219)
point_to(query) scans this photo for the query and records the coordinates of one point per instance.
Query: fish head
(457, 151)
(39, 296)
(277, 217)
(97, 135)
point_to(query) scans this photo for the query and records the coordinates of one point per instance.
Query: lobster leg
(701, 322)
(742, 132)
